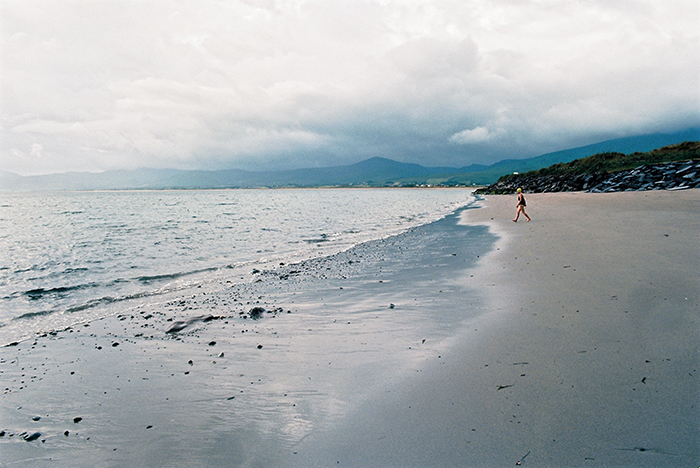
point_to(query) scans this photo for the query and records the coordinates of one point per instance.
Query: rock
(77, 420)
(176, 327)
(182, 324)
(256, 312)
(32, 437)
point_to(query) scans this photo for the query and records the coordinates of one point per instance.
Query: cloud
(36, 150)
(273, 84)
(475, 135)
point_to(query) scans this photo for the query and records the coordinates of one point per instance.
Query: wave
(172, 276)
(39, 293)
(91, 303)
(320, 239)
(30, 315)
(74, 270)
(62, 291)
(95, 302)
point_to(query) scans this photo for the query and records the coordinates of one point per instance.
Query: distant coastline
(373, 172)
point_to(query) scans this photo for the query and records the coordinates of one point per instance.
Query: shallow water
(67, 257)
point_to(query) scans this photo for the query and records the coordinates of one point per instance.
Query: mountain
(371, 172)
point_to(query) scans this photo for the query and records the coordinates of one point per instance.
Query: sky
(96, 85)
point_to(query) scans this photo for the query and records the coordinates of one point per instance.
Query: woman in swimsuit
(521, 206)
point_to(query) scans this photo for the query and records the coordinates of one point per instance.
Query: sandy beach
(586, 356)
(571, 340)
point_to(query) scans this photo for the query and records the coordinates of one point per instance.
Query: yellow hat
(520, 190)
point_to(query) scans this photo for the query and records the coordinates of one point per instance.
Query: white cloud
(254, 83)
(475, 135)
(36, 150)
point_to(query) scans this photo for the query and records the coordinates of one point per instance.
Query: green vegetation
(616, 162)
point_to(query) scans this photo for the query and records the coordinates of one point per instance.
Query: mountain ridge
(372, 172)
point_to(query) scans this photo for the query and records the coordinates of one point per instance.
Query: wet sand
(587, 353)
(571, 340)
(203, 377)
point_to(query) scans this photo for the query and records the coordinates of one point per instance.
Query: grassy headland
(585, 173)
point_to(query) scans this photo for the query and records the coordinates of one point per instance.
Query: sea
(72, 257)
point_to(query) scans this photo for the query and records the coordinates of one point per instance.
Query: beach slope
(587, 353)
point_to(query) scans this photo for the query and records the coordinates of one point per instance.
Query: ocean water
(68, 257)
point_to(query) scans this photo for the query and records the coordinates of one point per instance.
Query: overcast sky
(255, 84)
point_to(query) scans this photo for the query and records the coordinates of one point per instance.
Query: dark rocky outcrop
(676, 175)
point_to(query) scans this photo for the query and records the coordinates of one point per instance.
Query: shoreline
(56, 297)
(229, 389)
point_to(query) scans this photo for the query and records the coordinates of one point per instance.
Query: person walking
(521, 207)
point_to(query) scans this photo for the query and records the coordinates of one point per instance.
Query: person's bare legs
(521, 209)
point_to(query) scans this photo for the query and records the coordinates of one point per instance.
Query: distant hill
(673, 167)
(627, 145)
(374, 172)
(616, 162)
